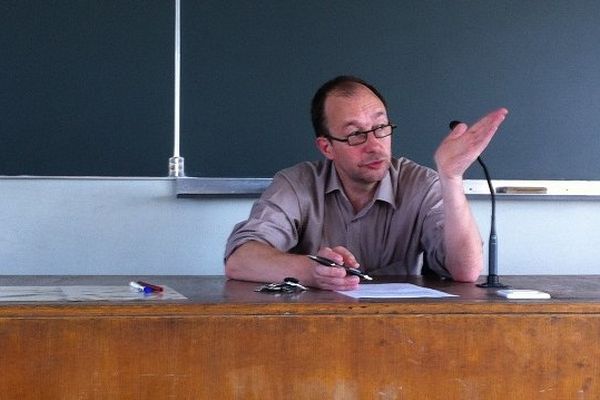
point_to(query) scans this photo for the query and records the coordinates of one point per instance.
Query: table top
(218, 295)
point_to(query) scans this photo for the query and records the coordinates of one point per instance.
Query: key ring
(289, 285)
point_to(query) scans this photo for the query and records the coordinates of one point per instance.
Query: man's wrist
(451, 181)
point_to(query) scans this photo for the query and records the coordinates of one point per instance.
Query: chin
(374, 177)
(377, 174)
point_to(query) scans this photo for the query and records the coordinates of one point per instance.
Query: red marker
(155, 288)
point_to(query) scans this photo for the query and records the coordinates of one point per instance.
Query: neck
(360, 195)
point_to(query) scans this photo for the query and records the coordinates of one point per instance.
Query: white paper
(394, 291)
(83, 293)
(117, 293)
(31, 293)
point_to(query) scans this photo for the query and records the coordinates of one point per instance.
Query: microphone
(493, 280)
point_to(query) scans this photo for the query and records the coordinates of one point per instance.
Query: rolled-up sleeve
(274, 219)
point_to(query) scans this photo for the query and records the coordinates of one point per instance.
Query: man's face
(364, 164)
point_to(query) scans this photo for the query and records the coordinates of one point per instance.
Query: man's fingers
(330, 272)
(347, 257)
(334, 278)
(480, 133)
(348, 283)
(490, 122)
(458, 129)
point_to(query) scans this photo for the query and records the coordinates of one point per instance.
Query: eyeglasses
(360, 137)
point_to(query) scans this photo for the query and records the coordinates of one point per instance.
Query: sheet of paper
(83, 293)
(394, 291)
(31, 293)
(117, 293)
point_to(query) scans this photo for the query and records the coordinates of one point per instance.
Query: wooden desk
(229, 342)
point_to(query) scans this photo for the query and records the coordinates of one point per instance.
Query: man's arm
(462, 241)
(259, 262)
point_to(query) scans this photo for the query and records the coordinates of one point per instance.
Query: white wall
(544, 236)
(117, 226)
(138, 226)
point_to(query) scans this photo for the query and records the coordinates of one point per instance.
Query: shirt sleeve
(274, 219)
(432, 238)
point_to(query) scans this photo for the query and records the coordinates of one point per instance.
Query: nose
(373, 143)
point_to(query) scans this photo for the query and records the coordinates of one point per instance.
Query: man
(360, 206)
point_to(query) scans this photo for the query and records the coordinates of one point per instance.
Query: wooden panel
(329, 356)
(230, 342)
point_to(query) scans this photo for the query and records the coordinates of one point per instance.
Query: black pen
(330, 263)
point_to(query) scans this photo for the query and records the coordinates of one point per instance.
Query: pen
(330, 263)
(140, 288)
(154, 288)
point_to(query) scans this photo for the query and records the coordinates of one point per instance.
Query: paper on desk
(31, 293)
(394, 291)
(83, 293)
(114, 293)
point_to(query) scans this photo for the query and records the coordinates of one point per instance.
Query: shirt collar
(385, 191)
(333, 181)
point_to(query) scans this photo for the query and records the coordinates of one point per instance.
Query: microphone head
(453, 124)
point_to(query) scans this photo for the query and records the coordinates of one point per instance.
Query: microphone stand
(493, 280)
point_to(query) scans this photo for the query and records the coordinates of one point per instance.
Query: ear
(324, 146)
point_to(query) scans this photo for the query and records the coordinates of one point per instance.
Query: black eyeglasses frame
(365, 134)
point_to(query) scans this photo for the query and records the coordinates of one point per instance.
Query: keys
(289, 285)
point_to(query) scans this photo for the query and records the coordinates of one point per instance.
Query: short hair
(344, 85)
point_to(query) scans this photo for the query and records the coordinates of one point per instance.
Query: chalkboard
(87, 86)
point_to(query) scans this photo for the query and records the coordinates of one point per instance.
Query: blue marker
(140, 288)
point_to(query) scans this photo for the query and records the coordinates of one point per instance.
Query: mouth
(375, 164)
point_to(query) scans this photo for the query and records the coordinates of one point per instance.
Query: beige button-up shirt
(305, 208)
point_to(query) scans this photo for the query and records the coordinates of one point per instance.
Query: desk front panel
(460, 356)
(302, 349)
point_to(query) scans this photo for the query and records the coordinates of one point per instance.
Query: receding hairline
(348, 89)
(343, 86)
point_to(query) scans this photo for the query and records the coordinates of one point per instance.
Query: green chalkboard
(87, 86)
